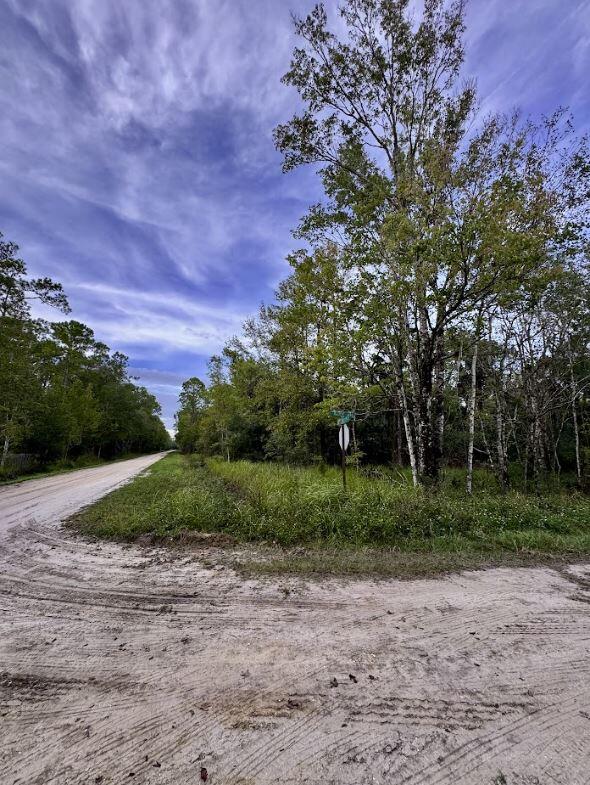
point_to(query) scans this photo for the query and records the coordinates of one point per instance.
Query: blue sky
(137, 165)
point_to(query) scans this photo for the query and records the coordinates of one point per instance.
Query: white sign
(344, 437)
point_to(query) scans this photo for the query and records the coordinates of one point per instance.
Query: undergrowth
(300, 505)
(289, 506)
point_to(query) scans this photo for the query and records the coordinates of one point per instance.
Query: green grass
(308, 525)
(303, 505)
(173, 496)
(399, 563)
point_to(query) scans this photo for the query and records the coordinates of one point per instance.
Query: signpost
(343, 437)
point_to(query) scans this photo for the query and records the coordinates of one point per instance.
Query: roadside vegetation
(306, 523)
(441, 306)
(441, 294)
(308, 505)
(66, 400)
(175, 495)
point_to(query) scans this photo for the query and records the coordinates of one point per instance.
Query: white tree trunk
(576, 427)
(501, 447)
(409, 434)
(472, 402)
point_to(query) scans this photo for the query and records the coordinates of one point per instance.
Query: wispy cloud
(137, 163)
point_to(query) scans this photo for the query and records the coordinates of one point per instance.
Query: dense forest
(63, 394)
(441, 291)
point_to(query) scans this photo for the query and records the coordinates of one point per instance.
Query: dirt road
(51, 498)
(123, 665)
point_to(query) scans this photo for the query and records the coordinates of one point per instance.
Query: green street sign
(343, 417)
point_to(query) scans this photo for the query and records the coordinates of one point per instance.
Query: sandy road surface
(123, 665)
(51, 498)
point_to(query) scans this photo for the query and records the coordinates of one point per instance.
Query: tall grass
(297, 505)
(174, 495)
(287, 506)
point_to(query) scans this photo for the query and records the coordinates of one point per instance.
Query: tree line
(63, 394)
(441, 291)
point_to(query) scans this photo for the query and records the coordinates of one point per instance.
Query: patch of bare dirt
(152, 665)
(187, 539)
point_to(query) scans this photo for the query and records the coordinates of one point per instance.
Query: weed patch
(380, 527)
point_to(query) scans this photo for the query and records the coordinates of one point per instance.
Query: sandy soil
(120, 665)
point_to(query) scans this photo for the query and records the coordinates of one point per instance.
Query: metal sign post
(343, 437)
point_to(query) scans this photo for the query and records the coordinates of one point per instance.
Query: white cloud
(169, 322)
(138, 166)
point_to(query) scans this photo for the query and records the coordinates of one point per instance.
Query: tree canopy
(62, 392)
(442, 288)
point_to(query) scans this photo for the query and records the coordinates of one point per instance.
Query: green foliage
(17, 290)
(438, 219)
(297, 505)
(288, 506)
(443, 294)
(62, 393)
(175, 495)
(193, 400)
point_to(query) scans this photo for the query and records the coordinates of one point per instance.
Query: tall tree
(62, 392)
(193, 402)
(436, 223)
(19, 335)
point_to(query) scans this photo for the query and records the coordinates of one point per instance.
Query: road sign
(344, 437)
(344, 417)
